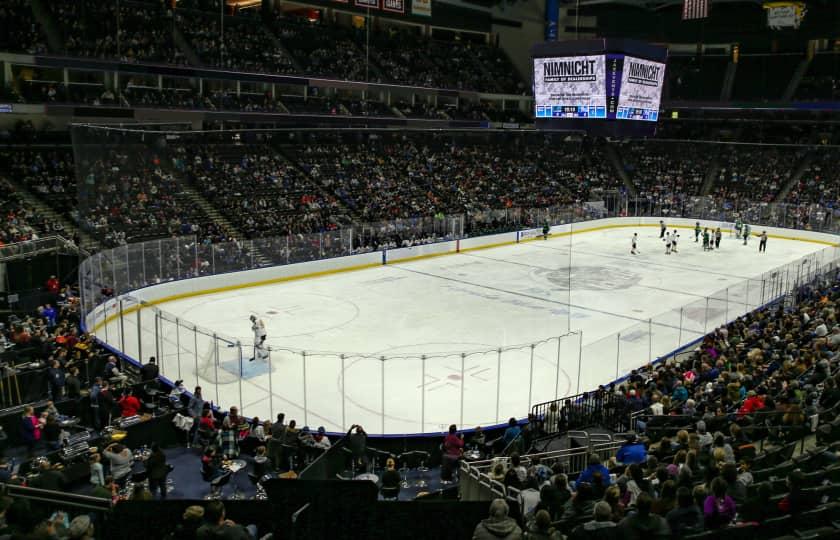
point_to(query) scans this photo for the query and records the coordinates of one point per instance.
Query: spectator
(320, 439)
(600, 528)
(632, 451)
(73, 385)
(643, 524)
(30, 429)
(129, 404)
(797, 499)
(157, 469)
(593, 468)
(719, 508)
(81, 528)
(759, 507)
(97, 471)
(581, 505)
(498, 525)
(150, 371)
(512, 432)
(541, 529)
(191, 520)
(52, 433)
(120, 459)
(56, 377)
(217, 526)
(112, 372)
(226, 439)
(390, 478)
(53, 286)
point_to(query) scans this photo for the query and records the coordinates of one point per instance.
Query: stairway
(795, 177)
(69, 229)
(796, 78)
(614, 158)
(728, 81)
(711, 176)
(346, 219)
(42, 14)
(279, 44)
(184, 45)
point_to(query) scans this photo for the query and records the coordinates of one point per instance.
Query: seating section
(758, 174)
(820, 183)
(18, 223)
(260, 191)
(90, 30)
(764, 77)
(822, 80)
(666, 169)
(729, 423)
(134, 197)
(19, 32)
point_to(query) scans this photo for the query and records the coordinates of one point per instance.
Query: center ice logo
(592, 278)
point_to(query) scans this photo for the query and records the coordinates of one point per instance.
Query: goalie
(260, 350)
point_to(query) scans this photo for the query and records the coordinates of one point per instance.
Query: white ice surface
(476, 301)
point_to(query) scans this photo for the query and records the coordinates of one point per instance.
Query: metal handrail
(57, 497)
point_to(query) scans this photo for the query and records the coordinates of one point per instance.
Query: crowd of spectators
(19, 31)
(128, 195)
(130, 32)
(716, 434)
(667, 169)
(49, 174)
(19, 221)
(820, 182)
(259, 191)
(241, 46)
(757, 174)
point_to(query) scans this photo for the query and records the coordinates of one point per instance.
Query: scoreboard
(611, 86)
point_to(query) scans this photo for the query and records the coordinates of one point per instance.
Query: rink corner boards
(524, 236)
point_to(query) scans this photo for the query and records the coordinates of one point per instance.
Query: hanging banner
(368, 4)
(422, 8)
(784, 14)
(394, 6)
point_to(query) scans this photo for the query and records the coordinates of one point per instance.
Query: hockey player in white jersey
(674, 237)
(258, 328)
(633, 243)
(667, 241)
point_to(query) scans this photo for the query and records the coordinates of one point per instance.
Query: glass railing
(400, 396)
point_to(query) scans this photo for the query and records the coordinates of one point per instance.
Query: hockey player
(697, 232)
(258, 328)
(546, 228)
(674, 237)
(738, 226)
(746, 231)
(633, 243)
(706, 245)
(667, 241)
(662, 229)
(762, 244)
(718, 236)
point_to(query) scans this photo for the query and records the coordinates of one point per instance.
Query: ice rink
(622, 311)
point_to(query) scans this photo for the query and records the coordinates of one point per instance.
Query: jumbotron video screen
(612, 88)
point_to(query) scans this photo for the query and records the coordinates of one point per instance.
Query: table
(234, 466)
(367, 476)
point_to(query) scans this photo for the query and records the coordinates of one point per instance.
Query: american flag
(695, 9)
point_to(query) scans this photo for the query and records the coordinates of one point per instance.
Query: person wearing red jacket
(129, 404)
(53, 286)
(753, 403)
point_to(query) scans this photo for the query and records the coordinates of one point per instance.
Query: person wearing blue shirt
(594, 466)
(680, 392)
(512, 432)
(632, 451)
